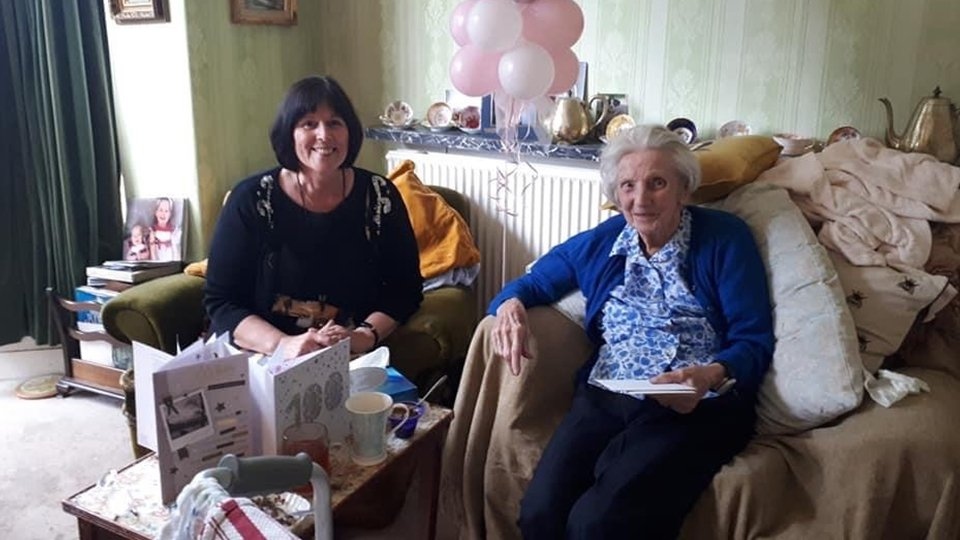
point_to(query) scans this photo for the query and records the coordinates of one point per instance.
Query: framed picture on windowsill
(139, 11)
(280, 12)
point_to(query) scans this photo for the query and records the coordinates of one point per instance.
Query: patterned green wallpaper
(807, 66)
(781, 65)
(238, 74)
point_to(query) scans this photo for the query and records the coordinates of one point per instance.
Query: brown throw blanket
(877, 473)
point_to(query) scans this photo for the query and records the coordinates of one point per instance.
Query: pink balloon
(566, 67)
(553, 24)
(526, 71)
(473, 71)
(458, 22)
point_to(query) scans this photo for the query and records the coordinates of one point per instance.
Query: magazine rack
(79, 373)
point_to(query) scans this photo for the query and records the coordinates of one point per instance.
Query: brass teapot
(571, 121)
(932, 129)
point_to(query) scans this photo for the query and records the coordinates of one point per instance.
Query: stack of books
(120, 275)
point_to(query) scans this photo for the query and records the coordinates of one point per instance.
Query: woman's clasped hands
(313, 339)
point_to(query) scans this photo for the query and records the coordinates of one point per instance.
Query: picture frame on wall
(139, 11)
(278, 12)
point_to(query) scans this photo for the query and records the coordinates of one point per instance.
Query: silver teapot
(932, 129)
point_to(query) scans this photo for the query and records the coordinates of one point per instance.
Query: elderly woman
(314, 250)
(675, 294)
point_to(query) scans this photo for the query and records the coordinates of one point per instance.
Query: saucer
(471, 131)
(397, 113)
(684, 128)
(844, 133)
(733, 128)
(438, 129)
(409, 125)
(618, 123)
(439, 115)
(793, 144)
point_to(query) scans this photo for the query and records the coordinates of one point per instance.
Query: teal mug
(368, 425)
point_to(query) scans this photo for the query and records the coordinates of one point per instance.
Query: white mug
(368, 424)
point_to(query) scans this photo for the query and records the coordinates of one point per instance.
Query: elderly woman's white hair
(647, 137)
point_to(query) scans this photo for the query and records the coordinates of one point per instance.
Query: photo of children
(137, 246)
(155, 229)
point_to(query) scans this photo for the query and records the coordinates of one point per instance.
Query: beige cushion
(816, 373)
(885, 303)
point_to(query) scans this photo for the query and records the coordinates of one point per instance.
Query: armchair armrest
(158, 313)
(436, 335)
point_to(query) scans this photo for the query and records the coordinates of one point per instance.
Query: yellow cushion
(443, 236)
(731, 162)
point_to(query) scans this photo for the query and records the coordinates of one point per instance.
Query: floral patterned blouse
(652, 323)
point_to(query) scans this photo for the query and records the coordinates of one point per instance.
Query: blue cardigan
(723, 267)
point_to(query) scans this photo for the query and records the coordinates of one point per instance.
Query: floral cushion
(885, 302)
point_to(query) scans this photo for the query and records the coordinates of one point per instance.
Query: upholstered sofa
(829, 462)
(164, 312)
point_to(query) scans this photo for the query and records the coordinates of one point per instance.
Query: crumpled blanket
(874, 203)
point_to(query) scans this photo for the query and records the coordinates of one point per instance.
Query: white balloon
(494, 25)
(526, 71)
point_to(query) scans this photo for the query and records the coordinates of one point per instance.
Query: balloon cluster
(520, 48)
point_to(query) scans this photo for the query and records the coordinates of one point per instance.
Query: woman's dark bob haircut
(304, 97)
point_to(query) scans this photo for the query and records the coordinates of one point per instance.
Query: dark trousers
(619, 467)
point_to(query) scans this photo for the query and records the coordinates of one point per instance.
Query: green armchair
(168, 310)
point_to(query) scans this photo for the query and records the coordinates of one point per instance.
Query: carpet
(49, 450)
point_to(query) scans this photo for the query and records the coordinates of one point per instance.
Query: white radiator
(516, 220)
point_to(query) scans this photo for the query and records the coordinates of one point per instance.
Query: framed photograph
(281, 12)
(155, 229)
(139, 11)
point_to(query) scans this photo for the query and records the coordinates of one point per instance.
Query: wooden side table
(126, 503)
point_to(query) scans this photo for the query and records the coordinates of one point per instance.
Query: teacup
(406, 426)
(368, 423)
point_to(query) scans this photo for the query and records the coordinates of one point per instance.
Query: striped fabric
(240, 519)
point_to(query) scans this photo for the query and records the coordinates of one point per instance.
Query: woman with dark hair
(315, 250)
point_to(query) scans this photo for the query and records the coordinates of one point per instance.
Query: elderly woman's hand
(702, 378)
(510, 333)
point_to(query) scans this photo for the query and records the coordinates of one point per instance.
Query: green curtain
(59, 165)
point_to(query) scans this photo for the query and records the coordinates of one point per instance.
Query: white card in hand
(637, 387)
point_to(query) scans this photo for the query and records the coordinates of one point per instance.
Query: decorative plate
(471, 131)
(618, 123)
(733, 128)
(439, 115)
(397, 113)
(844, 133)
(684, 128)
